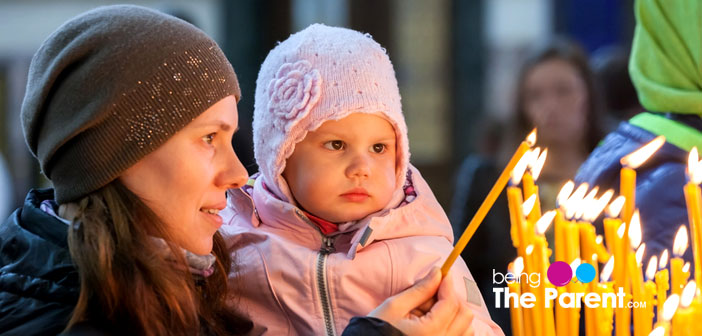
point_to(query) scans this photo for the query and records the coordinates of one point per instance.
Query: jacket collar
(421, 216)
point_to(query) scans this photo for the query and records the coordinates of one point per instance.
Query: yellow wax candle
(662, 286)
(650, 297)
(560, 236)
(488, 202)
(572, 239)
(627, 178)
(561, 316)
(694, 209)
(515, 311)
(535, 313)
(637, 289)
(692, 198)
(678, 277)
(684, 321)
(605, 315)
(514, 201)
(531, 189)
(669, 308)
(602, 253)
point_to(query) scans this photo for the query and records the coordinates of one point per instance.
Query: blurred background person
(611, 67)
(556, 94)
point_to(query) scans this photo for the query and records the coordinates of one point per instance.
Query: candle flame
(635, 230)
(658, 331)
(688, 294)
(531, 138)
(575, 200)
(520, 168)
(681, 241)
(621, 229)
(652, 268)
(545, 221)
(518, 266)
(565, 192)
(528, 205)
(538, 164)
(639, 254)
(636, 158)
(598, 206)
(587, 204)
(607, 270)
(694, 167)
(664, 259)
(670, 306)
(575, 263)
(529, 249)
(686, 267)
(599, 239)
(616, 207)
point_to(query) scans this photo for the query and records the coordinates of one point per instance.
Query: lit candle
(627, 189)
(541, 257)
(560, 222)
(623, 314)
(535, 166)
(638, 292)
(678, 277)
(605, 314)
(515, 311)
(694, 213)
(574, 313)
(684, 319)
(650, 293)
(488, 202)
(663, 286)
(669, 308)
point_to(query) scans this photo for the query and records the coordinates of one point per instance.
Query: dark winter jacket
(659, 181)
(39, 285)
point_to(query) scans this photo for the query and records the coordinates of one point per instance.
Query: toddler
(337, 220)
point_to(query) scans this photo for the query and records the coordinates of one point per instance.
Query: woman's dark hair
(130, 283)
(569, 51)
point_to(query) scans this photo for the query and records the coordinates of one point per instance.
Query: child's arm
(465, 287)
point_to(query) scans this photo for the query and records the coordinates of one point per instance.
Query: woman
(556, 94)
(131, 114)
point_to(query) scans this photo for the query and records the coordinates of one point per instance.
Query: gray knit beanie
(112, 85)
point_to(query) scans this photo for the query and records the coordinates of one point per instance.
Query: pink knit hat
(318, 74)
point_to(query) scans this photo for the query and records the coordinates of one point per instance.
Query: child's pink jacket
(291, 280)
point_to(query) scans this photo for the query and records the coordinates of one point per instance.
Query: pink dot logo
(559, 273)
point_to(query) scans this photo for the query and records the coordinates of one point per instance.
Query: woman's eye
(209, 138)
(334, 145)
(379, 148)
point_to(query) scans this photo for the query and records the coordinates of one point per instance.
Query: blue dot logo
(585, 273)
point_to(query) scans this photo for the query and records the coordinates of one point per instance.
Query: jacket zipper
(325, 250)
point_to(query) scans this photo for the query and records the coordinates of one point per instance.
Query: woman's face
(556, 101)
(184, 181)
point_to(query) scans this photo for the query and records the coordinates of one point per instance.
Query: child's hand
(406, 310)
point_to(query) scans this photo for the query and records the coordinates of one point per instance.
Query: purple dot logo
(559, 273)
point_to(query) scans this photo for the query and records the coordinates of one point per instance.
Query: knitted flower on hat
(293, 92)
(319, 74)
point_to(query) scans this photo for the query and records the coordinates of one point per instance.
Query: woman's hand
(415, 311)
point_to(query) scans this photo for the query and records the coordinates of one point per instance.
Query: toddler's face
(345, 169)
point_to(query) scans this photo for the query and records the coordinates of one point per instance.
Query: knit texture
(318, 74)
(112, 85)
(666, 58)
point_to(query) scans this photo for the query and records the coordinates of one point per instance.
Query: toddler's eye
(334, 145)
(378, 148)
(209, 138)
